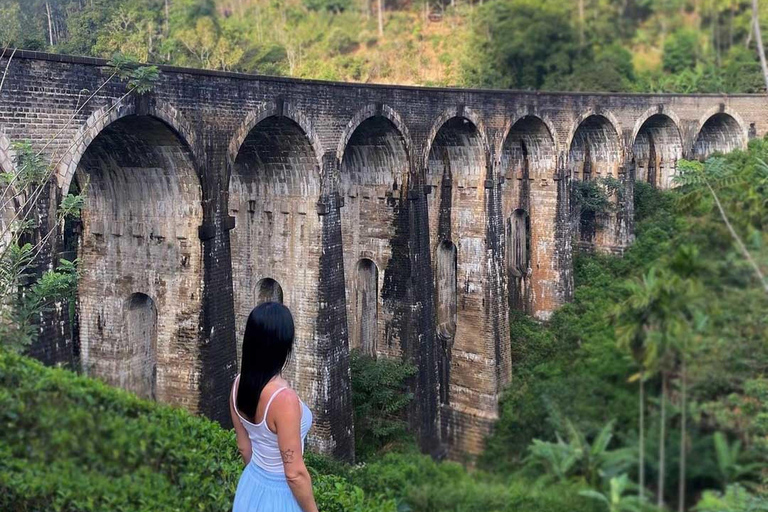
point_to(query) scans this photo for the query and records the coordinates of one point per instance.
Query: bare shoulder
(286, 402)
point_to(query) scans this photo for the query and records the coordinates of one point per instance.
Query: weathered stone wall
(402, 220)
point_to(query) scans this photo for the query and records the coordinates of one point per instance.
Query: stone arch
(140, 231)
(140, 335)
(595, 151)
(371, 111)
(268, 290)
(274, 188)
(108, 114)
(720, 130)
(459, 112)
(365, 333)
(657, 146)
(374, 172)
(598, 134)
(278, 108)
(609, 116)
(529, 139)
(523, 123)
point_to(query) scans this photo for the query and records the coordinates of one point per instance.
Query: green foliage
(594, 196)
(681, 51)
(71, 443)
(616, 499)
(143, 79)
(735, 499)
(522, 44)
(335, 6)
(31, 168)
(427, 486)
(576, 457)
(379, 397)
(730, 461)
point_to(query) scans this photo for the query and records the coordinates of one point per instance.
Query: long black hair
(267, 345)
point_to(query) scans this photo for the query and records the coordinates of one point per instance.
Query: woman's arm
(286, 413)
(243, 441)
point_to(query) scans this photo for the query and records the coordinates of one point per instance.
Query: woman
(270, 421)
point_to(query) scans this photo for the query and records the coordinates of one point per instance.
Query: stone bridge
(402, 221)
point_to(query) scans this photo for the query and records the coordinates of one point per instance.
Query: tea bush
(69, 443)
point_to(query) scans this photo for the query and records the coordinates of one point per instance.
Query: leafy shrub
(424, 485)
(379, 398)
(69, 443)
(735, 499)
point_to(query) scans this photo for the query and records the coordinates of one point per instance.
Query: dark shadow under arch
(721, 133)
(657, 148)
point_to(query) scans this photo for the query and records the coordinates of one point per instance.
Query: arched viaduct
(402, 221)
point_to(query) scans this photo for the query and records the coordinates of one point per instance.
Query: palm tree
(642, 323)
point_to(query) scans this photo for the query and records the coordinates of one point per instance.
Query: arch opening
(268, 290)
(374, 179)
(721, 133)
(139, 230)
(273, 192)
(595, 149)
(366, 307)
(595, 153)
(657, 148)
(529, 146)
(458, 153)
(140, 324)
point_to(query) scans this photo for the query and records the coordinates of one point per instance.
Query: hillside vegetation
(606, 45)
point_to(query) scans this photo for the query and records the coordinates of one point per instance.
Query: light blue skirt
(262, 491)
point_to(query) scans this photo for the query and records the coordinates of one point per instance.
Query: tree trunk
(381, 17)
(662, 439)
(50, 23)
(167, 18)
(581, 22)
(641, 448)
(759, 40)
(683, 438)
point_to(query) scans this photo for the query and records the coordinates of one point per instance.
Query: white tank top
(264, 448)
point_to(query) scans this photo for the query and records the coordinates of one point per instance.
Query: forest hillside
(606, 45)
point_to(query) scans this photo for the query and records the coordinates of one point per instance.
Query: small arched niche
(518, 258)
(721, 133)
(140, 327)
(268, 290)
(657, 148)
(366, 306)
